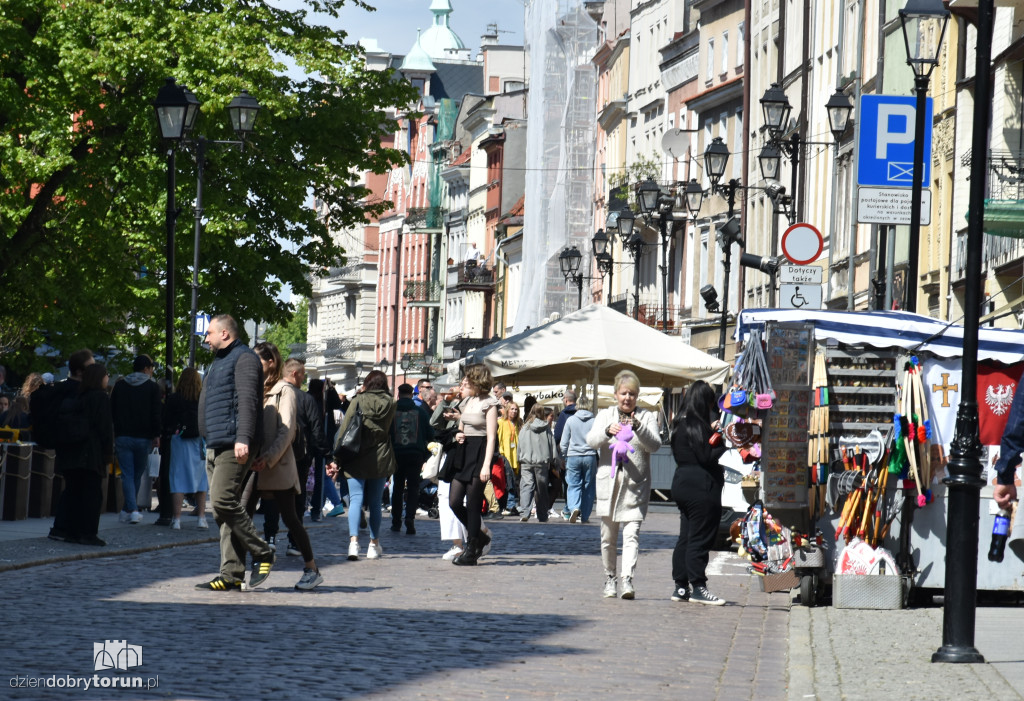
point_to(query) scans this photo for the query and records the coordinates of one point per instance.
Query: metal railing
(329, 349)
(424, 217)
(423, 290)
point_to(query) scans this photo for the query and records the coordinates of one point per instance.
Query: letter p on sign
(891, 130)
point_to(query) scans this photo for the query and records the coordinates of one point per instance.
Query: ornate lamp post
(569, 263)
(924, 25)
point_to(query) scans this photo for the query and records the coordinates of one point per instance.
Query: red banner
(996, 385)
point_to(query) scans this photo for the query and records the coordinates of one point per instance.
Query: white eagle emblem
(999, 398)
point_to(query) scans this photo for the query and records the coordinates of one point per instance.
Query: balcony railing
(471, 277)
(1004, 187)
(651, 315)
(996, 252)
(423, 290)
(328, 349)
(424, 218)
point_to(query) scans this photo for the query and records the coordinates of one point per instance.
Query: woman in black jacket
(697, 491)
(88, 460)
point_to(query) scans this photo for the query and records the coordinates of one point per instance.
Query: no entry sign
(802, 244)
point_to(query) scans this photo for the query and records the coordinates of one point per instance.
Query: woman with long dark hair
(477, 438)
(697, 491)
(188, 464)
(277, 477)
(375, 463)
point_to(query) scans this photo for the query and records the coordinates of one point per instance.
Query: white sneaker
(176, 524)
(136, 517)
(628, 592)
(373, 552)
(610, 589)
(453, 553)
(124, 517)
(203, 523)
(353, 550)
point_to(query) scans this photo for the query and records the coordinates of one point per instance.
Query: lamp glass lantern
(715, 158)
(647, 194)
(924, 26)
(776, 108)
(694, 197)
(599, 243)
(626, 219)
(839, 108)
(176, 110)
(569, 261)
(243, 110)
(406, 362)
(770, 160)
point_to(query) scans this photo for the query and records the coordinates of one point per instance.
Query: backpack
(407, 429)
(44, 404)
(753, 533)
(72, 422)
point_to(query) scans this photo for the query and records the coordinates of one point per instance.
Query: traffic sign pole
(913, 252)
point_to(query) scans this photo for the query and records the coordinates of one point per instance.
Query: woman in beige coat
(277, 476)
(622, 500)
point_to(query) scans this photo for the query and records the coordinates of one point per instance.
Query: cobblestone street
(528, 623)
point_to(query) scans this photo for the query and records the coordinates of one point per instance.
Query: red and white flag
(996, 385)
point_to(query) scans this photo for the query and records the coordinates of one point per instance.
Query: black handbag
(346, 447)
(452, 461)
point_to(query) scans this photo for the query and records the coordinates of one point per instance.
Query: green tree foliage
(292, 331)
(83, 171)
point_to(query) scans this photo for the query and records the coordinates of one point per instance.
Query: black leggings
(470, 511)
(285, 500)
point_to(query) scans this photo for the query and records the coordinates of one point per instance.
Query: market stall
(855, 447)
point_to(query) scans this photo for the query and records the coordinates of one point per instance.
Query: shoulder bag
(346, 447)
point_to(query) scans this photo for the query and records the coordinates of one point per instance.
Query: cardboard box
(783, 581)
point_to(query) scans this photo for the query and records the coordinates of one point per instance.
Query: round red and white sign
(802, 244)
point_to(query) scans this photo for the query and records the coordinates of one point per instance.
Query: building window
(709, 73)
(725, 52)
(740, 43)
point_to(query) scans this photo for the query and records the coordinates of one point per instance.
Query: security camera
(774, 189)
(731, 233)
(769, 266)
(710, 296)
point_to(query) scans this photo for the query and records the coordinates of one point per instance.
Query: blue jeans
(371, 492)
(133, 457)
(579, 474)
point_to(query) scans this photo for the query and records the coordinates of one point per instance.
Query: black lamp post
(651, 200)
(924, 24)
(776, 108)
(569, 263)
(715, 159)
(964, 469)
(176, 110)
(359, 372)
(603, 258)
(635, 246)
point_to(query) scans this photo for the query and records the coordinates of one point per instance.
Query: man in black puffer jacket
(231, 421)
(135, 406)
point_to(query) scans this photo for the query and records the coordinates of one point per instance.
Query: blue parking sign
(885, 149)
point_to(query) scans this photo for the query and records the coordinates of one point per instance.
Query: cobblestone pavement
(529, 622)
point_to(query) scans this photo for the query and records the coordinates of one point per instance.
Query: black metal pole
(913, 250)
(200, 167)
(883, 245)
(726, 268)
(664, 269)
(394, 328)
(964, 469)
(579, 290)
(794, 158)
(636, 251)
(170, 218)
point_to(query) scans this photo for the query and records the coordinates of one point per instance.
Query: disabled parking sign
(885, 147)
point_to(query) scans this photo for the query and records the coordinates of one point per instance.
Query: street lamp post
(715, 158)
(964, 469)
(635, 246)
(569, 263)
(651, 200)
(919, 19)
(176, 109)
(603, 258)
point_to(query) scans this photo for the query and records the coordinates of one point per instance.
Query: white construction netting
(561, 39)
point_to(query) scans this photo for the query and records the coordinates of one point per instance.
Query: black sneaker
(58, 535)
(680, 594)
(701, 595)
(396, 527)
(260, 571)
(272, 542)
(220, 584)
(410, 529)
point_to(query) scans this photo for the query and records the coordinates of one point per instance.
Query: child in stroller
(428, 498)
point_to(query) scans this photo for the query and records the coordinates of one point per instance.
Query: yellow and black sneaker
(260, 571)
(220, 584)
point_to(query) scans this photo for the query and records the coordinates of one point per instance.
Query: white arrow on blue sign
(202, 323)
(885, 149)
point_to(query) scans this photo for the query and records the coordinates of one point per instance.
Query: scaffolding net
(561, 39)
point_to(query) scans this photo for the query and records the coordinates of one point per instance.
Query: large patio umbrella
(593, 344)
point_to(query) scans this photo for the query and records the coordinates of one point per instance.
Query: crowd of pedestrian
(247, 437)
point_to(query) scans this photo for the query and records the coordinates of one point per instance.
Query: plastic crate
(783, 581)
(811, 556)
(867, 591)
